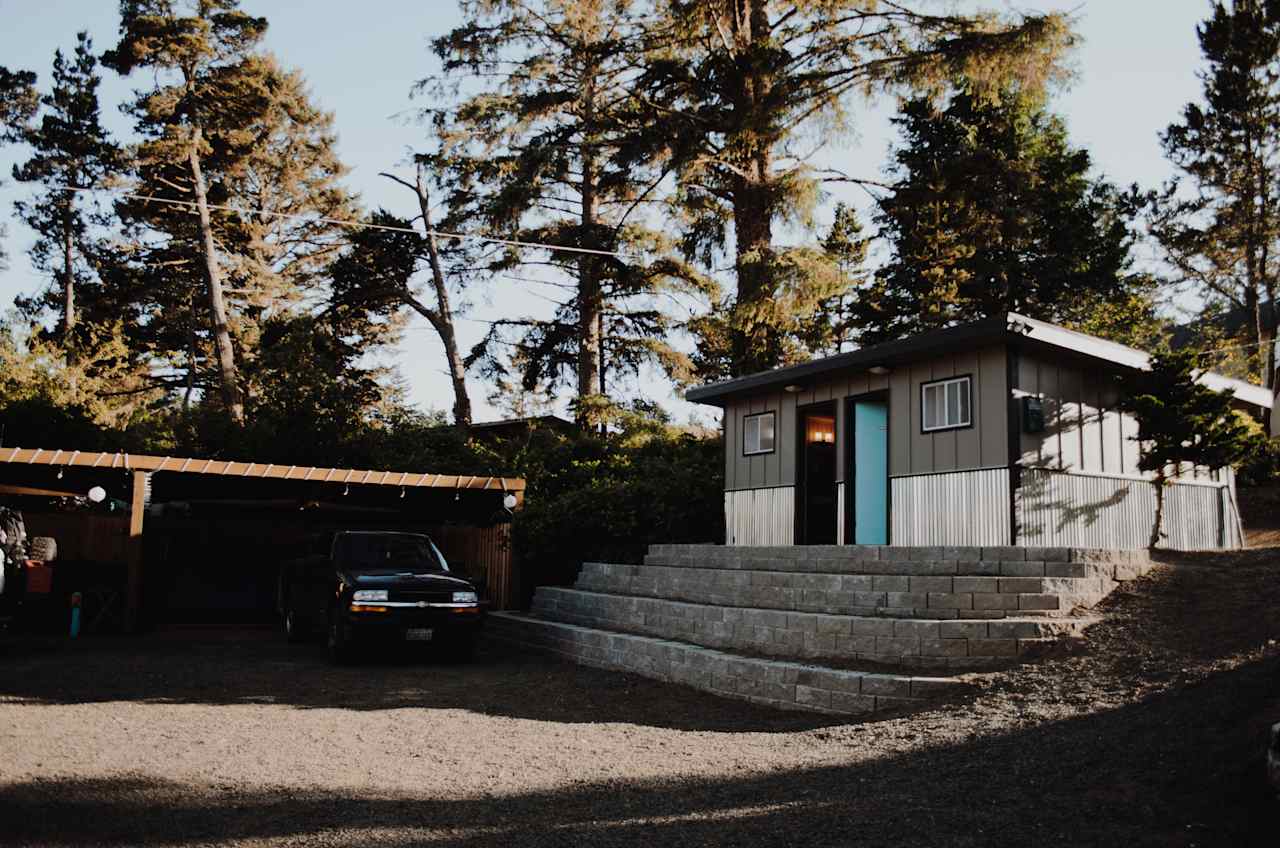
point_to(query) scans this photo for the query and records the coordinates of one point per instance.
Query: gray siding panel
(760, 516)
(1096, 511)
(910, 451)
(961, 508)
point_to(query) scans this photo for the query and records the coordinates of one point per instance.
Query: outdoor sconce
(97, 494)
(509, 502)
(880, 370)
(793, 388)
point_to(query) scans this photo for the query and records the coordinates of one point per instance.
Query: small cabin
(1005, 431)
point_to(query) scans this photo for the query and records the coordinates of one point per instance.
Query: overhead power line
(250, 210)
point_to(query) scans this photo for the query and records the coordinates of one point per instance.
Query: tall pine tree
(739, 88)
(992, 210)
(553, 150)
(70, 149)
(18, 102)
(1219, 219)
(225, 129)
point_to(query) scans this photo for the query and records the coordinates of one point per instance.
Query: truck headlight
(363, 595)
(465, 598)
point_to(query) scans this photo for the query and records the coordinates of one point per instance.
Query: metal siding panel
(760, 516)
(958, 508)
(1057, 509)
(1090, 429)
(921, 443)
(1051, 441)
(992, 403)
(772, 467)
(900, 440)
(1069, 391)
(840, 513)
(968, 442)
(732, 445)
(787, 439)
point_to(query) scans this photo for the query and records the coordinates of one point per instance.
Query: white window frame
(942, 385)
(755, 418)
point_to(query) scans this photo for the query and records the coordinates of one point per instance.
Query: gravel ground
(1151, 734)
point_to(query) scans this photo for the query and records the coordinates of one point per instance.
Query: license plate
(418, 634)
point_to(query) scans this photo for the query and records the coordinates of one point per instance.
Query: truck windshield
(388, 552)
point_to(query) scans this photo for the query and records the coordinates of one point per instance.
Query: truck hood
(428, 581)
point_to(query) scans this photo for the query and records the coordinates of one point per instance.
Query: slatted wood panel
(485, 555)
(82, 536)
(760, 516)
(961, 508)
(1095, 511)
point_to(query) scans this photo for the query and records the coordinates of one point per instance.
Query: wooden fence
(483, 555)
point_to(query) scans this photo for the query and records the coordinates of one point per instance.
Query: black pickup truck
(378, 586)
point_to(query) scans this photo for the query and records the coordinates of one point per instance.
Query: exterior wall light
(880, 370)
(793, 388)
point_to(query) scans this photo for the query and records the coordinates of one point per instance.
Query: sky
(1135, 69)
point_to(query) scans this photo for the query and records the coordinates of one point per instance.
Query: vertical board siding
(760, 516)
(1095, 511)
(960, 508)
(483, 555)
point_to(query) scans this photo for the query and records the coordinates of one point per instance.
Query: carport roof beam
(228, 468)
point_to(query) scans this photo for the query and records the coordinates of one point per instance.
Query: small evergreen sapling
(1181, 422)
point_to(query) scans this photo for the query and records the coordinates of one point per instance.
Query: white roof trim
(1130, 357)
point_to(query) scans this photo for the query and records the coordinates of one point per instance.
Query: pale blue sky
(1136, 67)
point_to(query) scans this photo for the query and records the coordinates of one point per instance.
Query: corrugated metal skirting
(1093, 511)
(959, 508)
(760, 516)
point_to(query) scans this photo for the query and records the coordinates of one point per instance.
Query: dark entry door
(818, 472)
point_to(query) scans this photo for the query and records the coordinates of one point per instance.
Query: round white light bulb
(97, 494)
(509, 501)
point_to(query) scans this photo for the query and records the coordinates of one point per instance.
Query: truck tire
(338, 642)
(295, 627)
(42, 548)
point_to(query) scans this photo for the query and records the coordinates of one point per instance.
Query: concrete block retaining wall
(919, 643)
(775, 683)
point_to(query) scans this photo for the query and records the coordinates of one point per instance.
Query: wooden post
(133, 550)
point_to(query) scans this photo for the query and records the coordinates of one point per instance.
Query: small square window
(757, 433)
(945, 404)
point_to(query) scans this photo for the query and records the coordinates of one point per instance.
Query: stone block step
(773, 682)
(934, 596)
(909, 561)
(921, 643)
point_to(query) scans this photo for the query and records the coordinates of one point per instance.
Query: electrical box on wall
(1032, 415)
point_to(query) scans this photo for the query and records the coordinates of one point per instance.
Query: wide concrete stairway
(845, 629)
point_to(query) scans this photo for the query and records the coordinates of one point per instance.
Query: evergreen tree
(224, 128)
(18, 102)
(376, 275)
(993, 211)
(552, 150)
(1219, 219)
(737, 90)
(70, 148)
(1181, 422)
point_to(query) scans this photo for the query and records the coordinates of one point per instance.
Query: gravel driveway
(1150, 735)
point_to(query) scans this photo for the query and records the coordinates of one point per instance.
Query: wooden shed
(202, 538)
(1002, 431)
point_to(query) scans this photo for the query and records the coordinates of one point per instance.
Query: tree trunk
(590, 296)
(443, 320)
(1156, 533)
(68, 274)
(217, 306)
(754, 343)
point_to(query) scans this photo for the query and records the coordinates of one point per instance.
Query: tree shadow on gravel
(1182, 768)
(500, 681)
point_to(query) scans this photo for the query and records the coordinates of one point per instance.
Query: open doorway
(816, 512)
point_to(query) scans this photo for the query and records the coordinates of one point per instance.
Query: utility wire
(243, 210)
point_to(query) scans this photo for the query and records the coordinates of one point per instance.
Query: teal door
(870, 473)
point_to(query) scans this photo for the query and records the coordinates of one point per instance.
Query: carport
(203, 536)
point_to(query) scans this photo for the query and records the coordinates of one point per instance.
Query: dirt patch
(1260, 515)
(1151, 734)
